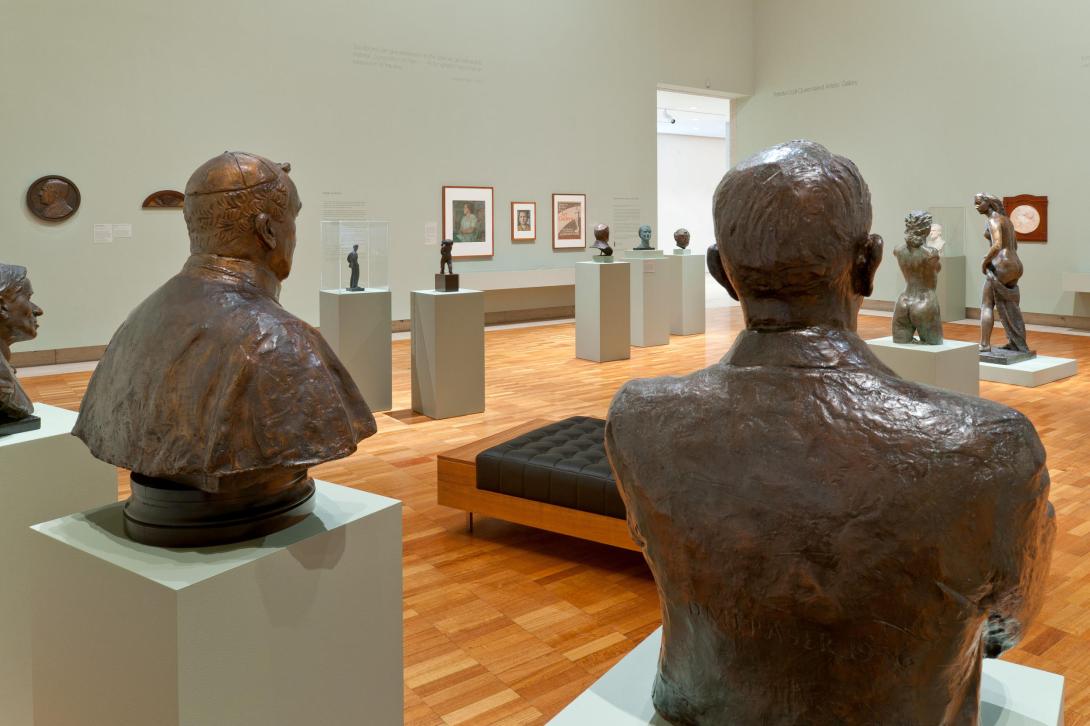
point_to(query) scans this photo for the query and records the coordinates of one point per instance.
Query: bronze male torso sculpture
(828, 539)
(214, 396)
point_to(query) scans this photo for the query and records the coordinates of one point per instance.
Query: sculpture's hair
(222, 223)
(918, 222)
(11, 278)
(56, 183)
(994, 203)
(788, 218)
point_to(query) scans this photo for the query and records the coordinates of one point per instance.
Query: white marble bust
(934, 239)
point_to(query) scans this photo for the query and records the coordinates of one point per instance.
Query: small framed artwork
(1029, 215)
(468, 220)
(523, 221)
(569, 221)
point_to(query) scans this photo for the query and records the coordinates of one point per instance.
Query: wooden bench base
(457, 476)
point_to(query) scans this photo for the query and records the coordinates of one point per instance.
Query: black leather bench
(563, 464)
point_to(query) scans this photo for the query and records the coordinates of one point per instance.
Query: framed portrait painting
(468, 220)
(523, 221)
(569, 221)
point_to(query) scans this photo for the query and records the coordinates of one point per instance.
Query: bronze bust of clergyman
(215, 397)
(832, 544)
(18, 322)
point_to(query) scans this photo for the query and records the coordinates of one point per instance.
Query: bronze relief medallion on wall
(52, 198)
(164, 199)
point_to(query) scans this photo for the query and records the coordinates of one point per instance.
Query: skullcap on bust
(233, 171)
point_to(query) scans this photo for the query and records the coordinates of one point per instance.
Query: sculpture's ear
(868, 255)
(715, 267)
(264, 230)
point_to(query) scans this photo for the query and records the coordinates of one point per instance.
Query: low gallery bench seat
(549, 475)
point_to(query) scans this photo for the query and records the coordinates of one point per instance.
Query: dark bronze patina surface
(681, 238)
(18, 322)
(354, 269)
(446, 281)
(164, 199)
(832, 544)
(1002, 269)
(53, 198)
(601, 241)
(214, 396)
(917, 308)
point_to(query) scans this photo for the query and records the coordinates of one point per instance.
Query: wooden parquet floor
(509, 624)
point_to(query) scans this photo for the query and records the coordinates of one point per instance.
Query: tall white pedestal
(300, 627)
(951, 289)
(951, 365)
(1030, 373)
(1010, 694)
(649, 290)
(687, 281)
(602, 311)
(44, 474)
(357, 326)
(447, 352)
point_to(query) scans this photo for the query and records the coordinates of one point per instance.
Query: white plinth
(1076, 282)
(687, 288)
(300, 627)
(1011, 695)
(44, 474)
(356, 323)
(1030, 373)
(951, 365)
(447, 352)
(650, 294)
(951, 288)
(602, 311)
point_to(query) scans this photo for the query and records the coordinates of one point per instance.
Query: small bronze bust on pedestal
(917, 309)
(18, 322)
(354, 268)
(832, 544)
(645, 238)
(1002, 270)
(448, 281)
(601, 243)
(681, 238)
(215, 397)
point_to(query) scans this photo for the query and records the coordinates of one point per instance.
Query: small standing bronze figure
(917, 308)
(18, 322)
(1002, 269)
(445, 259)
(354, 266)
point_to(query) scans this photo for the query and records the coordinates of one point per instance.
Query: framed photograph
(569, 221)
(468, 220)
(523, 221)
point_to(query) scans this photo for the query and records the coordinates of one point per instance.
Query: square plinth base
(687, 288)
(951, 365)
(651, 292)
(950, 288)
(44, 473)
(1004, 357)
(1029, 373)
(27, 423)
(356, 324)
(300, 627)
(602, 311)
(446, 283)
(447, 352)
(1011, 695)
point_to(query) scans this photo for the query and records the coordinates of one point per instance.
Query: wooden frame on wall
(469, 219)
(529, 233)
(1029, 215)
(569, 221)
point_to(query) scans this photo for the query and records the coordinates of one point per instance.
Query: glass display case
(372, 242)
(952, 220)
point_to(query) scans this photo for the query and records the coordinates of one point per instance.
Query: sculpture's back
(828, 539)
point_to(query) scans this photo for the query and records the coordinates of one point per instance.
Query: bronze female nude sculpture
(917, 309)
(1002, 270)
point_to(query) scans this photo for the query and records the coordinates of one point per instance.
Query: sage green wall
(945, 99)
(126, 97)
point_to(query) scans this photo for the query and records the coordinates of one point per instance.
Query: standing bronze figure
(215, 397)
(1002, 270)
(18, 322)
(354, 269)
(832, 544)
(446, 261)
(917, 309)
